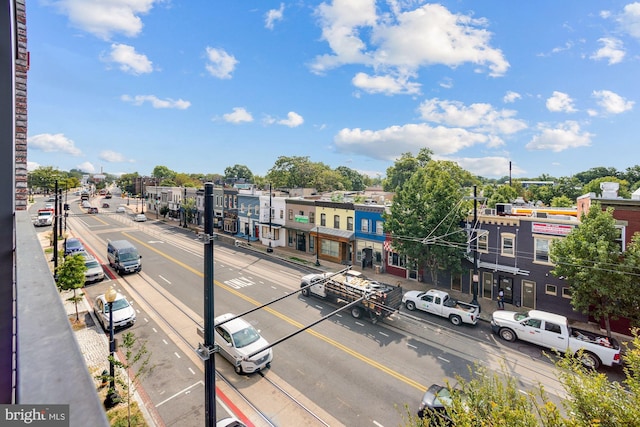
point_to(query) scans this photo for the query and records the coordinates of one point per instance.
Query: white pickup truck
(553, 331)
(440, 303)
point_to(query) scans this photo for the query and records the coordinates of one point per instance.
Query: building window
(323, 220)
(242, 207)
(312, 217)
(379, 228)
(290, 239)
(508, 244)
(330, 248)
(621, 229)
(281, 213)
(483, 242)
(312, 245)
(290, 214)
(551, 290)
(541, 250)
(364, 225)
(336, 221)
(396, 260)
(350, 223)
(566, 293)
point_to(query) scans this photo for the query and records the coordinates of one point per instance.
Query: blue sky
(122, 86)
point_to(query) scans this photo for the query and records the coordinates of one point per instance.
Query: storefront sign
(554, 229)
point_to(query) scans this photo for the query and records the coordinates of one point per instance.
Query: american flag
(387, 246)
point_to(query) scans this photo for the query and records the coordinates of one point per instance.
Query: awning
(332, 232)
(504, 268)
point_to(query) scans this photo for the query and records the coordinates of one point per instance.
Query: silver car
(241, 344)
(123, 312)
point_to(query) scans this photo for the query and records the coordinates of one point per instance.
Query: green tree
(70, 277)
(127, 182)
(294, 172)
(562, 202)
(238, 172)
(404, 168)
(590, 259)
(135, 366)
(425, 216)
(500, 194)
(44, 178)
(594, 186)
(162, 173)
(595, 173)
(352, 180)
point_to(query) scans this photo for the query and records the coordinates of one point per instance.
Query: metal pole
(184, 207)
(270, 249)
(209, 364)
(59, 204)
(144, 200)
(475, 247)
(55, 232)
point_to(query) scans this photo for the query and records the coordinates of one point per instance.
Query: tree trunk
(607, 325)
(75, 301)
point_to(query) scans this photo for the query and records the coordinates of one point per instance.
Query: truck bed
(382, 299)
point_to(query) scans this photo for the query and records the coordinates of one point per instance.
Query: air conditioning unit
(503, 208)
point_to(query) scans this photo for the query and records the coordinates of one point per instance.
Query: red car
(93, 210)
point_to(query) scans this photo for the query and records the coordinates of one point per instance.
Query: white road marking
(238, 283)
(164, 279)
(411, 345)
(165, 341)
(443, 359)
(383, 334)
(154, 330)
(180, 392)
(177, 355)
(359, 324)
(192, 371)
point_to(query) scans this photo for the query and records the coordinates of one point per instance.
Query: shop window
(551, 290)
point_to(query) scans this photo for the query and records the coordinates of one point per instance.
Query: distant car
(237, 339)
(72, 245)
(105, 205)
(92, 210)
(140, 218)
(49, 206)
(434, 402)
(123, 312)
(120, 209)
(51, 199)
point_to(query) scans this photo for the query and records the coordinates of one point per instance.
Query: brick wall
(21, 69)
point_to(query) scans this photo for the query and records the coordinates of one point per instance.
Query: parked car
(92, 210)
(434, 405)
(439, 302)
(238, 340)
(94, 272)
(72, 245)
(123, 312)
(120, 209)
(105, 205)
(140, 218)
(230, 422)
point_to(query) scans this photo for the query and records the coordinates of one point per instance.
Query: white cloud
(404, 41)
(611, 49)
(53, 143)
(31, 166)
(86, 167)
(611, 102)
(564, 136)
(272, 16)
(156, 102)
(239, 115)
(629, 20)
(511, 97)
(387, 85)
(105, 18)
(293, 120)
(220, 64)
(488, 166)
(129, 60)
(479, 117)
(112, 156)
(560, 102)
(390, 143)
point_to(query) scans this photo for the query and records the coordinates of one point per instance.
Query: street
(343, 371)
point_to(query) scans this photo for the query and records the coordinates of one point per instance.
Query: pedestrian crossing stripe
(238, 283)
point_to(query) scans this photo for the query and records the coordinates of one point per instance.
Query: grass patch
(76, 325)
(303, 261)
(117, 415)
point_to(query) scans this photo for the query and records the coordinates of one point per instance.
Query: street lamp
(112, 398)
(144, 200)
(185, 207)
(317, 251)
(248, 225)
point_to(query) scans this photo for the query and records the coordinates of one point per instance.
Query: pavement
(94, 345)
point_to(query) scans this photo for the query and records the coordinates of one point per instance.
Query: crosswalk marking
(238, 283)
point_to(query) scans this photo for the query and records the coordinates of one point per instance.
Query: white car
(94, 272)
(140, 218)
(123, 312)
(120, 209)
(238, 341)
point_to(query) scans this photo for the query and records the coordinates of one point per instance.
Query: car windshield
(72, 244)
(92, 264)
(128, 256)
(245, 337)
(118, 304)
(521, 315)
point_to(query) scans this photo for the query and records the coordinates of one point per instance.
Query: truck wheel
(305, 292)
(455, 319)
(410, 305)
(356, 312)
(238, 369)
(589, 360)
(507, 334)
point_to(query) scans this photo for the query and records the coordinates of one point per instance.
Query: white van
(86, 204)
(124, 257)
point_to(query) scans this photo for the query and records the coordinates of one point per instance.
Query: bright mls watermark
(34, 415)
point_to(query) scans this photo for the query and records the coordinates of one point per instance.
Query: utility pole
(475, 247)
(270, 249)
(55, 231)
(206, 351)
